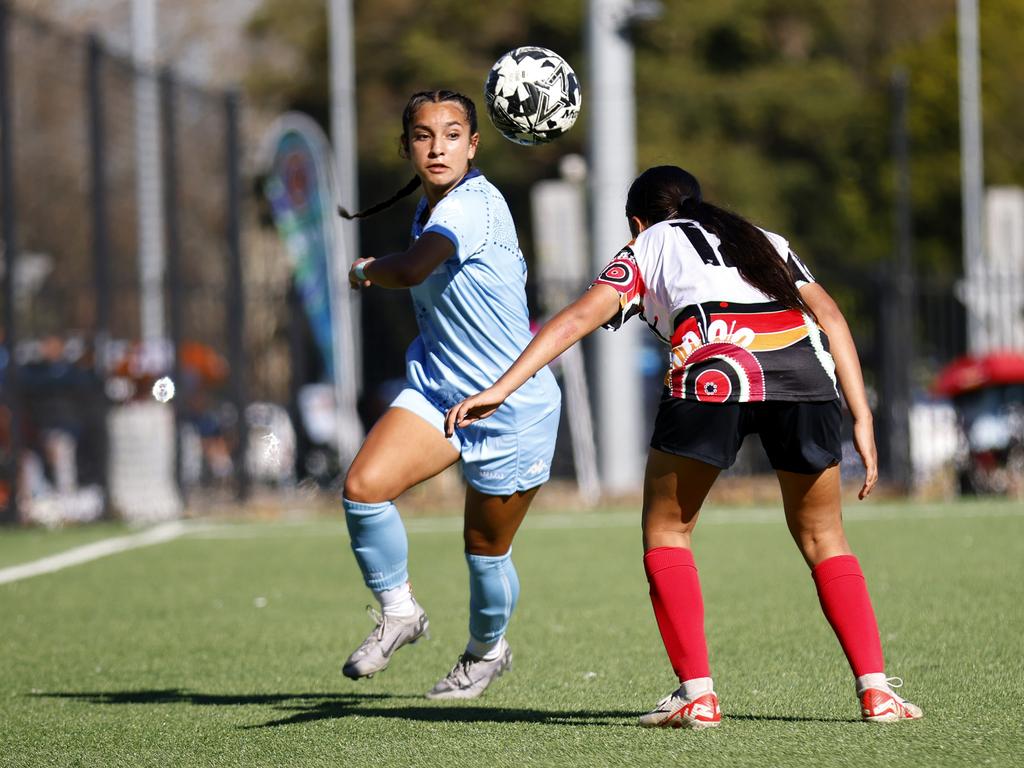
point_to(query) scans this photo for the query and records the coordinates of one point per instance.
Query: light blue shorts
(498, 464)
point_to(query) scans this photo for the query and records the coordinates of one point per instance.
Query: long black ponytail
(416, 101)
(668, 192)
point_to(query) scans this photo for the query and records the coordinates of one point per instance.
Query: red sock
(844, 599)
(679, 609)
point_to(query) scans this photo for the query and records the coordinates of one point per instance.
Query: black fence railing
(74, 363)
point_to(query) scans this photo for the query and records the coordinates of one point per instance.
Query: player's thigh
(674, 490)
(491, 522)
(402, 449)
(814, 513)
(503, 473)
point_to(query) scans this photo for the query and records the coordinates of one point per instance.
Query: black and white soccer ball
(532, 95)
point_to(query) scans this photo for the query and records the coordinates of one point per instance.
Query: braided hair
(416, 101)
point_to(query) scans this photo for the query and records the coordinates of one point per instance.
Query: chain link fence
(82, 434)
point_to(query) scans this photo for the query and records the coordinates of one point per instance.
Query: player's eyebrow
(422, 127)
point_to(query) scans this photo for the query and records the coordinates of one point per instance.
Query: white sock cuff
(397, 601)
(697, 687)
(872, 680)
(488, 651)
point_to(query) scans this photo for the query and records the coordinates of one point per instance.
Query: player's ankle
(697, 687)
(397, 602)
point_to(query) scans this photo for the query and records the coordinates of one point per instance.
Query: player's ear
(636, 226)
(474, 140)
(403, 147)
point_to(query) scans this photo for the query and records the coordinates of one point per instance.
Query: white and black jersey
(729, 341)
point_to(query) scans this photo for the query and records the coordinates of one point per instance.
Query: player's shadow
(790, 719)
(309, 707)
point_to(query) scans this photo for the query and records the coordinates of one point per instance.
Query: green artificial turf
(19, 545)
(222, 648)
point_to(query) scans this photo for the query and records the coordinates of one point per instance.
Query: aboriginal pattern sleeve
(623, 274)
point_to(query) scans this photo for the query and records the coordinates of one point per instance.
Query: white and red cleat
(676, 711)
(880, 705)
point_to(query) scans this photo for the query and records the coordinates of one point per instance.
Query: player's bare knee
(486, 544)
(818, 545)
(360, 486)
(674, 526)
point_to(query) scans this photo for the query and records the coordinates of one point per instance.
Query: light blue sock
(493, 592)
(379, 543)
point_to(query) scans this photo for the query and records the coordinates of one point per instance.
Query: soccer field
(222, 647)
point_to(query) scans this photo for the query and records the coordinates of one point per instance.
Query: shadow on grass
(310, 707)
(790, 719)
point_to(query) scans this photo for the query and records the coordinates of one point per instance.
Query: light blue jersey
(472, 311)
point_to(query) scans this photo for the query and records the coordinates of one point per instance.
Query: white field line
(88, 552)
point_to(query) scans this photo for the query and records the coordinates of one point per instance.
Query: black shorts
(798, 437)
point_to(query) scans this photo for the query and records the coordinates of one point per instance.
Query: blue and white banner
(301, 189)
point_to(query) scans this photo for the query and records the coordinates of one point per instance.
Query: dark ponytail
(416, 101)
(408, 189)
(668, 192)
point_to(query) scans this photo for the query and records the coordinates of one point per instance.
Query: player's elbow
(410, 276)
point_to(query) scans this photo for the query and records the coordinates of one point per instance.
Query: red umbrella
(968, 373)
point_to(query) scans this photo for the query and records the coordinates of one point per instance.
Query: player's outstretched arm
(405, 269)
(592, 310)
(851, 379)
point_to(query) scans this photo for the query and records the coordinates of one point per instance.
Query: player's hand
(353, 280)
(472, 409)
(864, 441)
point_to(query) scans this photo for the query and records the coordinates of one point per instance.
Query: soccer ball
(532, 95)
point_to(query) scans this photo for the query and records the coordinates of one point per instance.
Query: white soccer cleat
(391, 633)
(677, 711)
(471, 675)
(882, 705)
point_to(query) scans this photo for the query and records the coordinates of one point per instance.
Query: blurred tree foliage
(404, 46)
(780, 107)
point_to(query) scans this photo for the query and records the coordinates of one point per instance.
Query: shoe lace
(679, 695)
(379, 619)
(460, 672)
(895, 683)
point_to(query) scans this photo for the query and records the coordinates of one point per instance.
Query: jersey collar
(424, 215)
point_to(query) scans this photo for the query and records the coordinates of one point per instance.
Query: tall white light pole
(619, 417)
(148, 172)
(345, 313)
(344, 145)
(971, 177)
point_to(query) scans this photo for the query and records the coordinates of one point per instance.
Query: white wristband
(359, 270)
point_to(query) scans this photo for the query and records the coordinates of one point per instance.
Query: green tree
(781, 107)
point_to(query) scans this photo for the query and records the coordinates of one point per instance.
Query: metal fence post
(172, 253)
(9, 213)
(236, 293)
(899, 332)
(100, 245)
